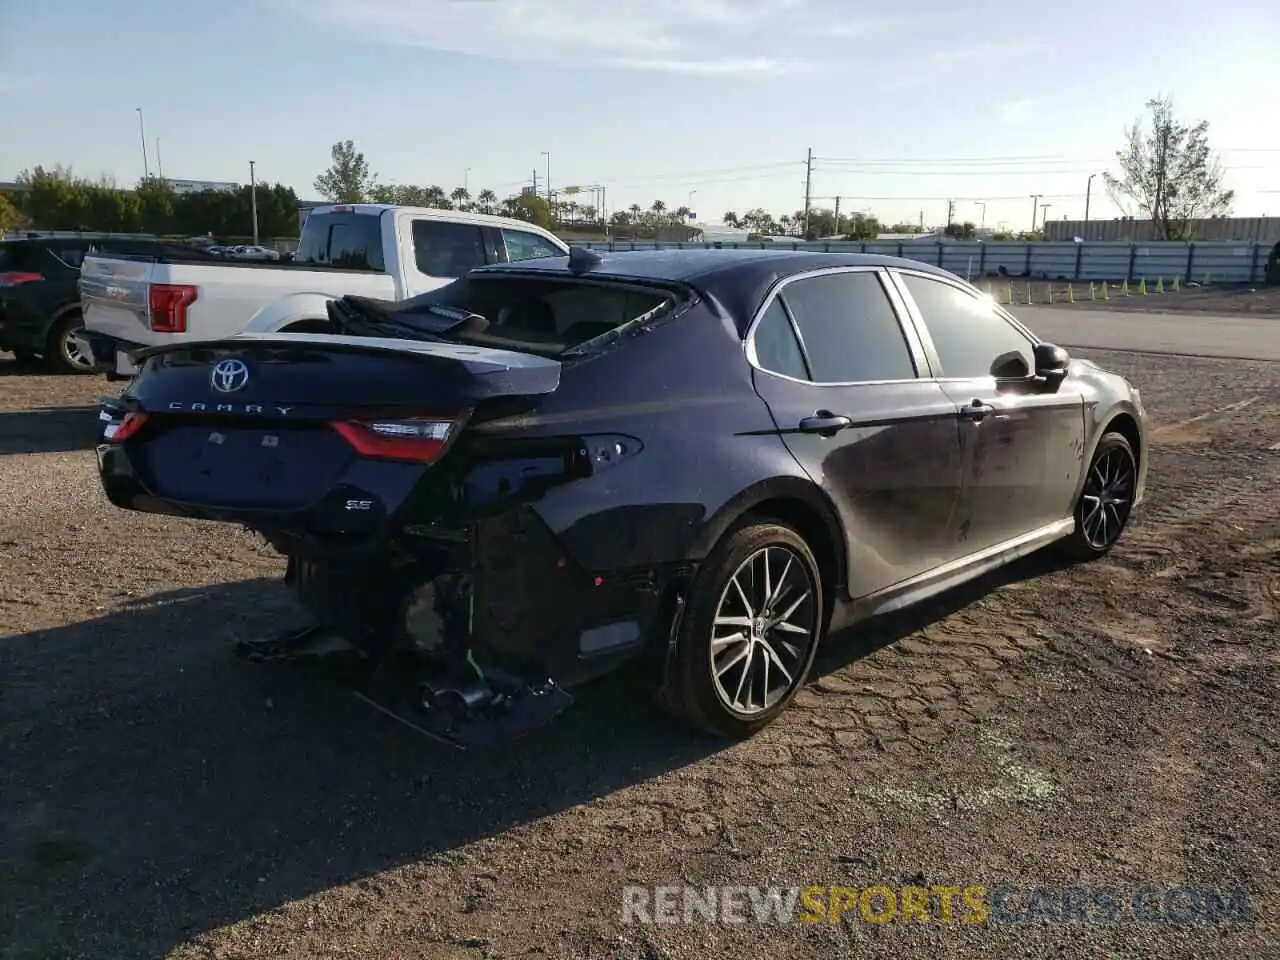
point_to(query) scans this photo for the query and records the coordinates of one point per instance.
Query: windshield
(538, 314)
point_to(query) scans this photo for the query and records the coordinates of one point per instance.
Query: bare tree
(1169, 173)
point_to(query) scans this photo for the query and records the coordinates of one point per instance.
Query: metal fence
(1202, 262)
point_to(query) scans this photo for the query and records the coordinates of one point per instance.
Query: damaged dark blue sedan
(696, 463)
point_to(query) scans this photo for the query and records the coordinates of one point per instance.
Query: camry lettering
(228, 408)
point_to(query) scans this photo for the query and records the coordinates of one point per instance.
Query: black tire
(1095, 535)
(693, 693)
(60, 355)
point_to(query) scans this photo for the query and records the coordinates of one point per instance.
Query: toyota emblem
(229, 375)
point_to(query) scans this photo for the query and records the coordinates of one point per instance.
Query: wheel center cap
(757, 626)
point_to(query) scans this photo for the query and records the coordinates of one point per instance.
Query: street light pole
(983, 205)
(1088, 189)
(142, 134)
(1035, 199)
(547, 154)
(253, 201)
(1045, 222)
(690, 204)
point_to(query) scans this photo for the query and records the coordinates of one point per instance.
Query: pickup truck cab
(367, 249)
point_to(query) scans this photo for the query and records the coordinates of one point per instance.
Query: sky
(712, 104)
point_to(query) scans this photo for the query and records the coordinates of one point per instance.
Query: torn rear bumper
(499, 596)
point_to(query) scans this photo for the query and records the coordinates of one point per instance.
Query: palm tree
(589, 214)
(511, 206)
(488, 199)
(434, 196)
(730, 219)
(658, 207)
(460, 196)
(635, 212)
(682, 214)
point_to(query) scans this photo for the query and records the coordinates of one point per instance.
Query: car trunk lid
(278, 421)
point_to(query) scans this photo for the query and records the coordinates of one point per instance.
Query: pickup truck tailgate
(114, 297)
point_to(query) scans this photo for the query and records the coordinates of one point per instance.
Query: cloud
(1017, 111)
(711, 37)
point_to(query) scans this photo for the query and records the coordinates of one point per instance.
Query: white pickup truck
(369, 250)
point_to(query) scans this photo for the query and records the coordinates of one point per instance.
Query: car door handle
(975, 411)
(824, 422)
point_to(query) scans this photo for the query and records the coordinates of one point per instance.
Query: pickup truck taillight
(168, 303)
(14, 279)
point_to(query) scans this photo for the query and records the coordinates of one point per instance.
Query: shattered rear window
(554, 314)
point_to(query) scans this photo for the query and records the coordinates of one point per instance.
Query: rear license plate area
(264, 467)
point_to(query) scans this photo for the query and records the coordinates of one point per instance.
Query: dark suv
(40, 299)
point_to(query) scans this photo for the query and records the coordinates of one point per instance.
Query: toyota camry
(696, 463)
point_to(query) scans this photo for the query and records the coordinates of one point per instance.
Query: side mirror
(1051, 362)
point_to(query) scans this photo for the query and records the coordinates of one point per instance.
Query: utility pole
(535, 181)
(922, 221)
(1088, 189)
(253, 201)
(837, 228)
(808, 185)
(1044, 207)
(547, 154)
(951, 211)
(159, 168)
(1035, 200)
(983, 205)
(142, 133)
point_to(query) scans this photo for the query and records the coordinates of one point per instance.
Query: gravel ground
(1111, 724)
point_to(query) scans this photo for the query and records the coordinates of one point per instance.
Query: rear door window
(776, 346)
(349, 240)
(848, 328)
(522, 245)
(444, 249)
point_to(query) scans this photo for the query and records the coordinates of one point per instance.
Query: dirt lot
(1115, 724)
(1200, 298)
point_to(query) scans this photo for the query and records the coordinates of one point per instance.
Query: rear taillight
(15, 279)
(133, 421)
(168, 303)
(417, 440)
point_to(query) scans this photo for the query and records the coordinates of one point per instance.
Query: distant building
(199, 186)
(1121, 229)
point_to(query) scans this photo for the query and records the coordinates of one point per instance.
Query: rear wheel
(63, 354)
(1106, 500)
(749, 632)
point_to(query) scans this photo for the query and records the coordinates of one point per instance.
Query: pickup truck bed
(378, 251)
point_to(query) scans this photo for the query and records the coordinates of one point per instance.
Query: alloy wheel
(765, 625)
(1107, 497)
(71, 351)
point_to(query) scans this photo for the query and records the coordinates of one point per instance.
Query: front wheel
(64, 354)
(749, 632)
(1106, 501)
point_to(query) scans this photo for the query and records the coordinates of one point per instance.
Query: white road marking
(1229, 408)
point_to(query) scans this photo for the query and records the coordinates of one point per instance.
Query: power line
(1039, 172)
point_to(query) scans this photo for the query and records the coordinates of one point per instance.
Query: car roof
(739, 279)
(434, 213)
